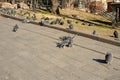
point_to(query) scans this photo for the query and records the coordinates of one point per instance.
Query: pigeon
(115, 34)
(15, 28)
(108, 58)
(94, 32)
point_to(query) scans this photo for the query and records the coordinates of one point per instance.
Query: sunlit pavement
(31, 54)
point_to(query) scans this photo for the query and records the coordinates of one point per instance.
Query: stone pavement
(31, 54)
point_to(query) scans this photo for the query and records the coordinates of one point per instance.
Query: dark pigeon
(115, 34)
(15, 28)
(66, 41)
(42, 22)
(76, 22)
(34, 17)
(70, 26)
(61, 23)
(108, 58)
(84, 23)
(63, 17)
(94, 32)
(58, 21)
(90, 24)
(69, 21)
(74, 16)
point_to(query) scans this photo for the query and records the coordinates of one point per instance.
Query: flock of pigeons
(68, 41)
(65, 40)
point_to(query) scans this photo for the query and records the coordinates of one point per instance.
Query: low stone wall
(116, 43)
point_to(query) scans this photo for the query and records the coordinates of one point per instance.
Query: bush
(96, 7)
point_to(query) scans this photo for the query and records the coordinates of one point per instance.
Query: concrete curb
(71, 31)
(11, 17)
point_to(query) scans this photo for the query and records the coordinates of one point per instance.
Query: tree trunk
(70, 3)
(55, 9)
(13, 1)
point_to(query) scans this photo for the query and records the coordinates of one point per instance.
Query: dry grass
(101, 28)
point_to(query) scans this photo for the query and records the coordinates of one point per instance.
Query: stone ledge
(116, 43)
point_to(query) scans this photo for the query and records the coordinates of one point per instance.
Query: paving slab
(31, 54)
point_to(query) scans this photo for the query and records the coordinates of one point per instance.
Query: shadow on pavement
(100, 60)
